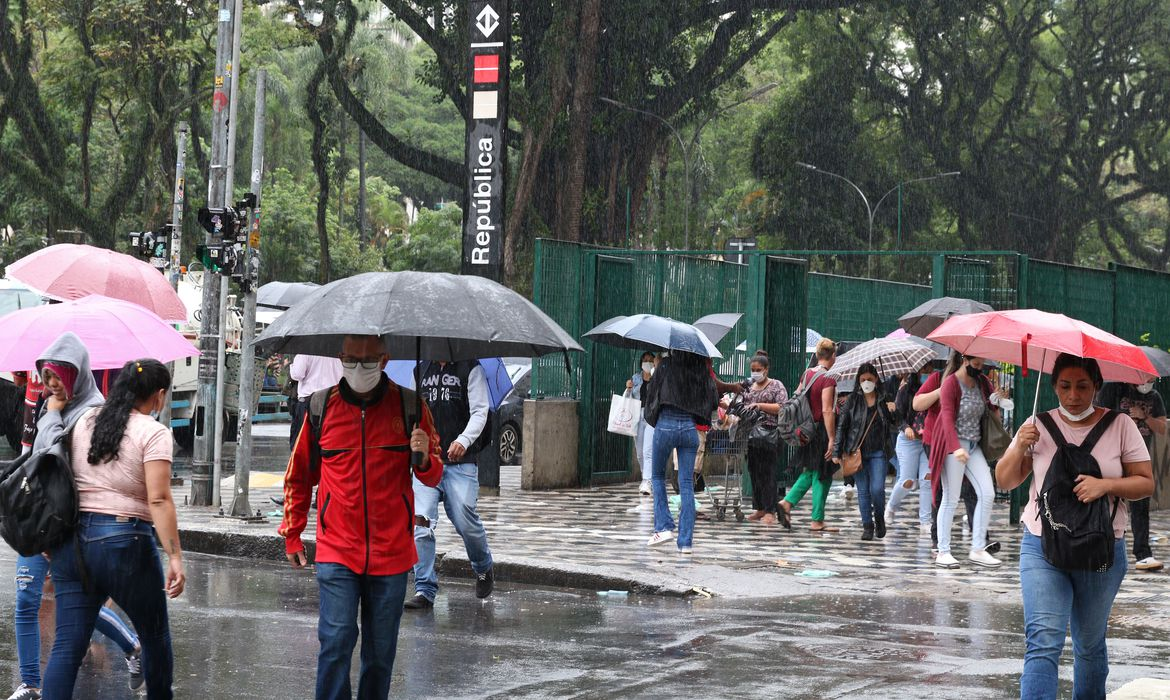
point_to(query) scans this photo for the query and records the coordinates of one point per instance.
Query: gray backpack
(796, 424)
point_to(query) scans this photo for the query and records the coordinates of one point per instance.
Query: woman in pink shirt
(1054, 597)
(121, 459)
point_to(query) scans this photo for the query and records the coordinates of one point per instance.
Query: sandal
(784, 518)
(824, 528)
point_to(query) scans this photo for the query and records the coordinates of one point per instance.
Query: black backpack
(795, 424)
(1076, 536)
(38, 499)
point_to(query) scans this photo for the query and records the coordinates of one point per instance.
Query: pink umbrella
(1033, 339)
(114, 332)
(69, 271)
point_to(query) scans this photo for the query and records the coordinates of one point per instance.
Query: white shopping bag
(624, 414)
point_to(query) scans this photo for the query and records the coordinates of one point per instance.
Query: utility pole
(180, 196)
(204, 417)
(225, 287)
(240, 506)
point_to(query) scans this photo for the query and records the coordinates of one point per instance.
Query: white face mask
(1077, 417)
(648, 367)
(361, 380)
(757, 377)
(868, 386)
(1145, 388)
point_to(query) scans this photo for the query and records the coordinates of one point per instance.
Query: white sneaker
(946, 561)
(889, 516)
(684, 550)
(645, 489)
(982, 558)
(850, 492)
(24, 692)
(924, 530)
(660, 538)
(1149, 564)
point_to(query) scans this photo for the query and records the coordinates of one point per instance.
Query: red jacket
(365, 501)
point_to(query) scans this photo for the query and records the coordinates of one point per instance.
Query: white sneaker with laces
(982, 558)
(946, 561)
(645, 488)
(889, 516)
(26, 692)
(1148, 564)
(660, 538)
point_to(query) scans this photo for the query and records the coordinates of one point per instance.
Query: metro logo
(487, 68)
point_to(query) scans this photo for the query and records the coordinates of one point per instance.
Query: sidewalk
(596, 539)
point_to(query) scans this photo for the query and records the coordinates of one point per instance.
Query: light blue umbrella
(401, 372)
(641, 331)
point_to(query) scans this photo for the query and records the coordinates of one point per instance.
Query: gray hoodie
(68, 348)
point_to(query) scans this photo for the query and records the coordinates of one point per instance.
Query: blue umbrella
(401, 372)
(647, 330)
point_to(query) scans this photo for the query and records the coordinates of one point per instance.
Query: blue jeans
(341, 592)
(675, 430)
(1052, 599)
(459, 492)
(913, 468)
(871, 485)
(642, 444)
(121, 562)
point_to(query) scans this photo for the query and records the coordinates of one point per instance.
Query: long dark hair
(135, 383)
(857, 394)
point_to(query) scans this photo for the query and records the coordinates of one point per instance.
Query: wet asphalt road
(247, 630)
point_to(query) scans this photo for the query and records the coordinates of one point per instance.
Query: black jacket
(683, 381)
(852, 421)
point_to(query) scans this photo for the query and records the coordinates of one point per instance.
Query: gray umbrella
(715, 326)
(282, 295)
(1159, 358)
(648, 330)
(924, 318)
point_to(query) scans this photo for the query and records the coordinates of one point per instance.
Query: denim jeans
(1054, 598)
(459, 492)
(647, 446)
(979, 474)
(913, 468)
(871, 485)
(675, 431)
(121, 562)
(380, 598)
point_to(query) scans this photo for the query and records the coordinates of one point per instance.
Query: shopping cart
(726, 460)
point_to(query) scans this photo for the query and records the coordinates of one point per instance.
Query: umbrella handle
(416, 458)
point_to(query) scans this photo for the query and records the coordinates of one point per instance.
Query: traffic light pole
(241, 508)
(225, 284)
(176, 238)
(204, 418)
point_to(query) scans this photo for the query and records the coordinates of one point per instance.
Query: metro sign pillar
(487, 149)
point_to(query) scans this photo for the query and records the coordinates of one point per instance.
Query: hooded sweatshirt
(68, 348)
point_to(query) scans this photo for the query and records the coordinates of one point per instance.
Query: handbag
(993, 437)
(851, 462)
(765, 437)
(624, 414)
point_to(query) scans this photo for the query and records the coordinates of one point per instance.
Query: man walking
(357, 449)
(457, 395)
(312, 373)
(1147, 409)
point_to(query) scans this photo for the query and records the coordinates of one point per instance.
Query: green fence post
(938, 276)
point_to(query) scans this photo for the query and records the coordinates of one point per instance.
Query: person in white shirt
(311, 373)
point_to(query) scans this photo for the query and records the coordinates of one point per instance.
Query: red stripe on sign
(487, 68)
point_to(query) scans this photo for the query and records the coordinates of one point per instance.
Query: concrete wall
(550, 444)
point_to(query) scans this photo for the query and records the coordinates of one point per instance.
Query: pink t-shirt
(1121, 443)
(119, 487)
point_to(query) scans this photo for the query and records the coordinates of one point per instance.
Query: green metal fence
(855, 309)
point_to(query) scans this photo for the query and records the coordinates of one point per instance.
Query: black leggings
(762, 467)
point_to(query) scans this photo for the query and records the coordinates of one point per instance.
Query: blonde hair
(826, 349)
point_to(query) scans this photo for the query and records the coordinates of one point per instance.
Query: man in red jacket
(365, 519)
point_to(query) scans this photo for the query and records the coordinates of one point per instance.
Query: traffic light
(152, 246)
(220, 223)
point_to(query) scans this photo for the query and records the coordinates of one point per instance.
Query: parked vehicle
(510, 414)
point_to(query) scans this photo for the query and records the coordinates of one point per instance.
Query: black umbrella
(424, 315)
(924, 318)
(282, 295)
(1159, 358)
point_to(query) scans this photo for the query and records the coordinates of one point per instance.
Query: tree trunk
(581, 114)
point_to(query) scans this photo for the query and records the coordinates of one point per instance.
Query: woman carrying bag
(765, 395)
(863, 431)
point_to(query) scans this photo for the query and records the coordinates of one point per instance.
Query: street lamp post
(872, 211)
(687, 149)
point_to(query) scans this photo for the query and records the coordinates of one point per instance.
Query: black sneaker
(134, 667)
(484, 584)
(419, 602)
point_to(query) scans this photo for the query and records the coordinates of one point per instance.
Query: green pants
(820, 490)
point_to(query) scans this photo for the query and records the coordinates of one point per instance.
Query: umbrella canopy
(647, 330)
(421, 315)
(68, 271)
(1033, 339)
(811, 338)
(282, 295)
(716, 326)
(401, 372)
(113, 331)
(1159, 358)
(924, 318)
(941, 352)
(890, 356)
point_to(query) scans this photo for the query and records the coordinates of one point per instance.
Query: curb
(524, 570)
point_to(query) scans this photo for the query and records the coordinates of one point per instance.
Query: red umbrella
(68, 271)
(1033, 339)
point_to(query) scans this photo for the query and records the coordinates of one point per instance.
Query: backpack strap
(318, 404)
(408, 401)
(804, 386)
(1053, 431)
(1099, 430)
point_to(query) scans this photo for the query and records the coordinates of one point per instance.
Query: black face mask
(973, 371)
